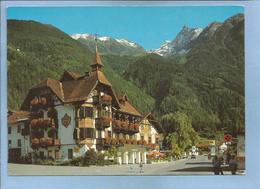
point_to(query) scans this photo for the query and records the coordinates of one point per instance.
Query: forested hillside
(207, 83)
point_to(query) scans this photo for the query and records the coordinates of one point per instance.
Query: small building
(76, 113)
(18, 135)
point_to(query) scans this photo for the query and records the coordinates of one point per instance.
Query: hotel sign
(66, 120)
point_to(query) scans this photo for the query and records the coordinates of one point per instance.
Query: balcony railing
(41, 123)
(124, 127)
(44, 142)
(39, 102)
(103, 122)
(114, 141)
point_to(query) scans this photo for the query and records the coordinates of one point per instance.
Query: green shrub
(90, 158)
(76, 161)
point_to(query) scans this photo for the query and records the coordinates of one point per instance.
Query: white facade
(65, 134)
(16, 135)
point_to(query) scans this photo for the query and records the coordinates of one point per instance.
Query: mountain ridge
(109, 45)
(179, 43)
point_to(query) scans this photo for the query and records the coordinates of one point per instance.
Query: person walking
(215, 164)
(141, 167)
(233, 165)
(221, 162)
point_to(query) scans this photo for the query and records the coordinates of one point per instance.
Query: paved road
(199, 166)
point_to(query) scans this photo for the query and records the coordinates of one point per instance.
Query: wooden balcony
(112, 141)
(40, 102)
(41, 123)
(102, 122)
(44, 142)
(105, 99)
(124, 127)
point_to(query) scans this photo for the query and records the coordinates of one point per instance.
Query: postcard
(126, 90)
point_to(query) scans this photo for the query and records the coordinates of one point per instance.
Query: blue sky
(148, 26)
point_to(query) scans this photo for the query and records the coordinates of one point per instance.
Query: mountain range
(108, 45)
(200, 72)
(181, 44)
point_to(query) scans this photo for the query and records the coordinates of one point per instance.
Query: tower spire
(97, 64)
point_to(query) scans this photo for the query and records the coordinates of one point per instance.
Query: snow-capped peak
(179, 44)
(81, 35)
(104, 39)
(126, 42)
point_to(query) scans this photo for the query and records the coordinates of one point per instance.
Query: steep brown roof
(68, 75)
(54, 85)
(17, 116)
(77, 90)
(72, 90)
(126, 106)
(100, 77)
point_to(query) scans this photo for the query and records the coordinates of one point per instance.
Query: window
(157, 140)
(42, 154)
(81, 113)
(85, 112)
(142, 137)
(89, 112)
(149, 139)
(9, 130)
(19, 129)
(19, 143)
(9, 142)
(87, 133)
(57, 154)
(70, 153)
(49, 154)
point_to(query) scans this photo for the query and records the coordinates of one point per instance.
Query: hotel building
(64, 118)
